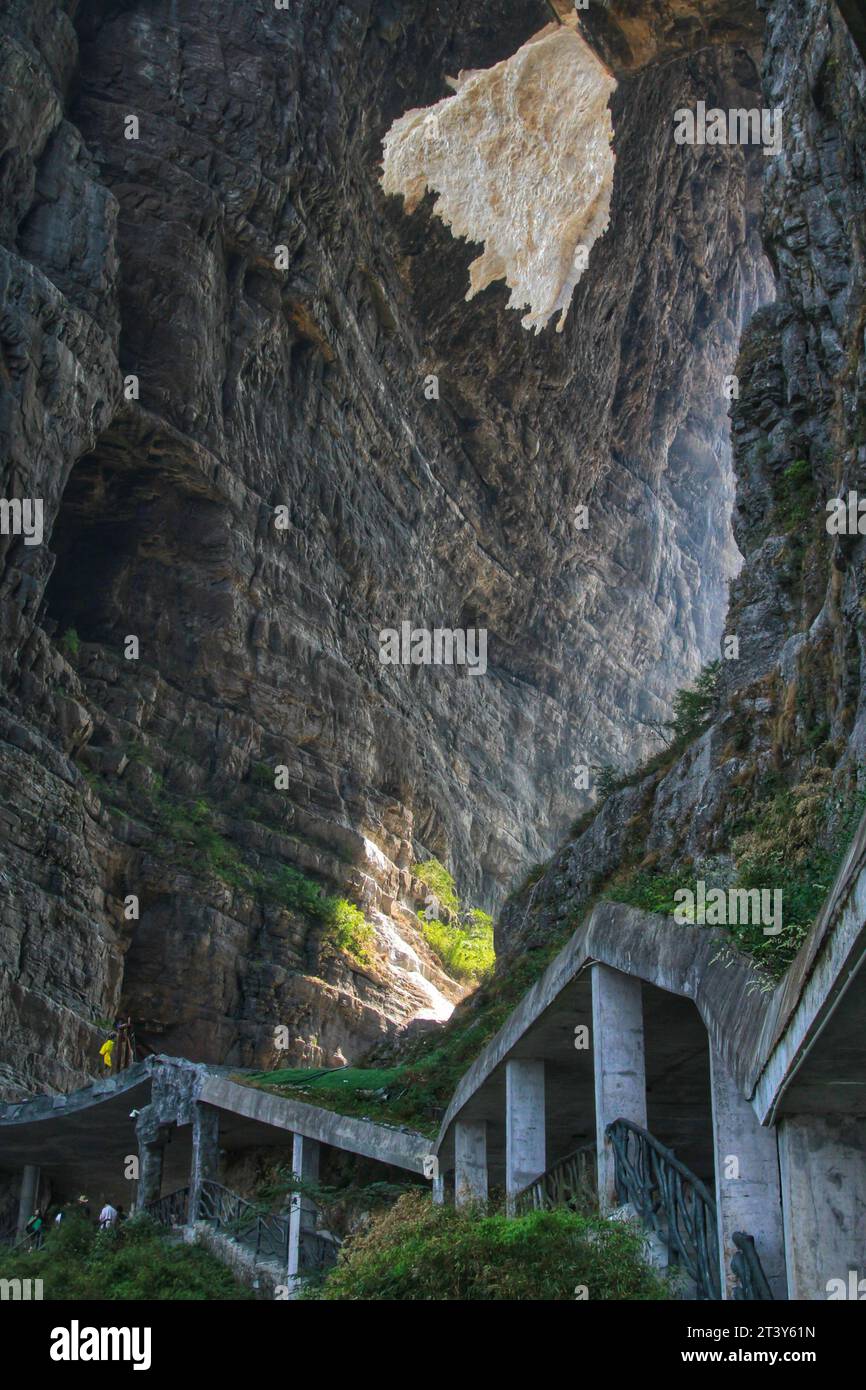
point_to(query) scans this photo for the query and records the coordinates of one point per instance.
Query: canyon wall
(173, 386)
(774, 782)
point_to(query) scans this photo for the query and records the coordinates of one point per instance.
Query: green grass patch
(464, 943)
(465, 947)
(650, 892)
(348, 930)
(795, 498)
(70, 643)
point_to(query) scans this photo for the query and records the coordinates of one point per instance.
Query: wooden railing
(746, 1266)
(669, 1199)
(170, 1210)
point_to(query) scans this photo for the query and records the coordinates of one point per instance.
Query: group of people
(109, 1217)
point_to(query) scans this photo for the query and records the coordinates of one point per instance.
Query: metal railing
(568, 1183)
(746, 1266)
(265, 1233)
(671, 1201)
(170, 1210)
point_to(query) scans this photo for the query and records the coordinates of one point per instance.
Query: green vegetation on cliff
(464, 944)
(414, 1087)
(190, 833)
(791, 839)
(419, 1252)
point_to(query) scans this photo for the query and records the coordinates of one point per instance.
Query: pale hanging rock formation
(521, 160)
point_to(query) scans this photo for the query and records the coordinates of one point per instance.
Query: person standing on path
(106, 1050)
(35, 1228)
(107, 1217)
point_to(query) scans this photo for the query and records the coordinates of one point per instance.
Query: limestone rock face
(792, 710)
(632, 34)
(214, 317)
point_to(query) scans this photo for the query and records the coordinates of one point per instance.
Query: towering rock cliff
(771, 782)
(216, 335)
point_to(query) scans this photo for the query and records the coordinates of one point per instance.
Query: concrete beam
(470, 1162)
(525, 1146)
(822, 1161)
(619, 1062)
(29, 1198)
(302, 1221)
(403, 1148)
(748, 1194)
(205, 1154)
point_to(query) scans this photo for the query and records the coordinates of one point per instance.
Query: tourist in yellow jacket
(106, 1050)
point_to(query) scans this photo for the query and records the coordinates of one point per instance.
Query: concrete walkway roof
(82, 1140)
(799, 1045)
(79, 1140)
(792, 1049)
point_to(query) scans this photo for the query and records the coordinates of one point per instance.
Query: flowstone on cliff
(521, 160)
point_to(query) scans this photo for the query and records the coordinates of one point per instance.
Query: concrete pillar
(619, 1064)
(439, 1190)
(205, 1154)
(302, 1221)
(525, 1147)
(151, 1151)
(29, 1199)
(822, 1160)
(748, 1194)
(470, 1162)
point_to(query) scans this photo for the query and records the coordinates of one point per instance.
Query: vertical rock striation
(224, 317)
(791, 716)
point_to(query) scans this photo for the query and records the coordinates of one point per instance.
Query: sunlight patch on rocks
(521, 160)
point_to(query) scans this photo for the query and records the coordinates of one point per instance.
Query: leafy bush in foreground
(134, 1261)
(418, 1252)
